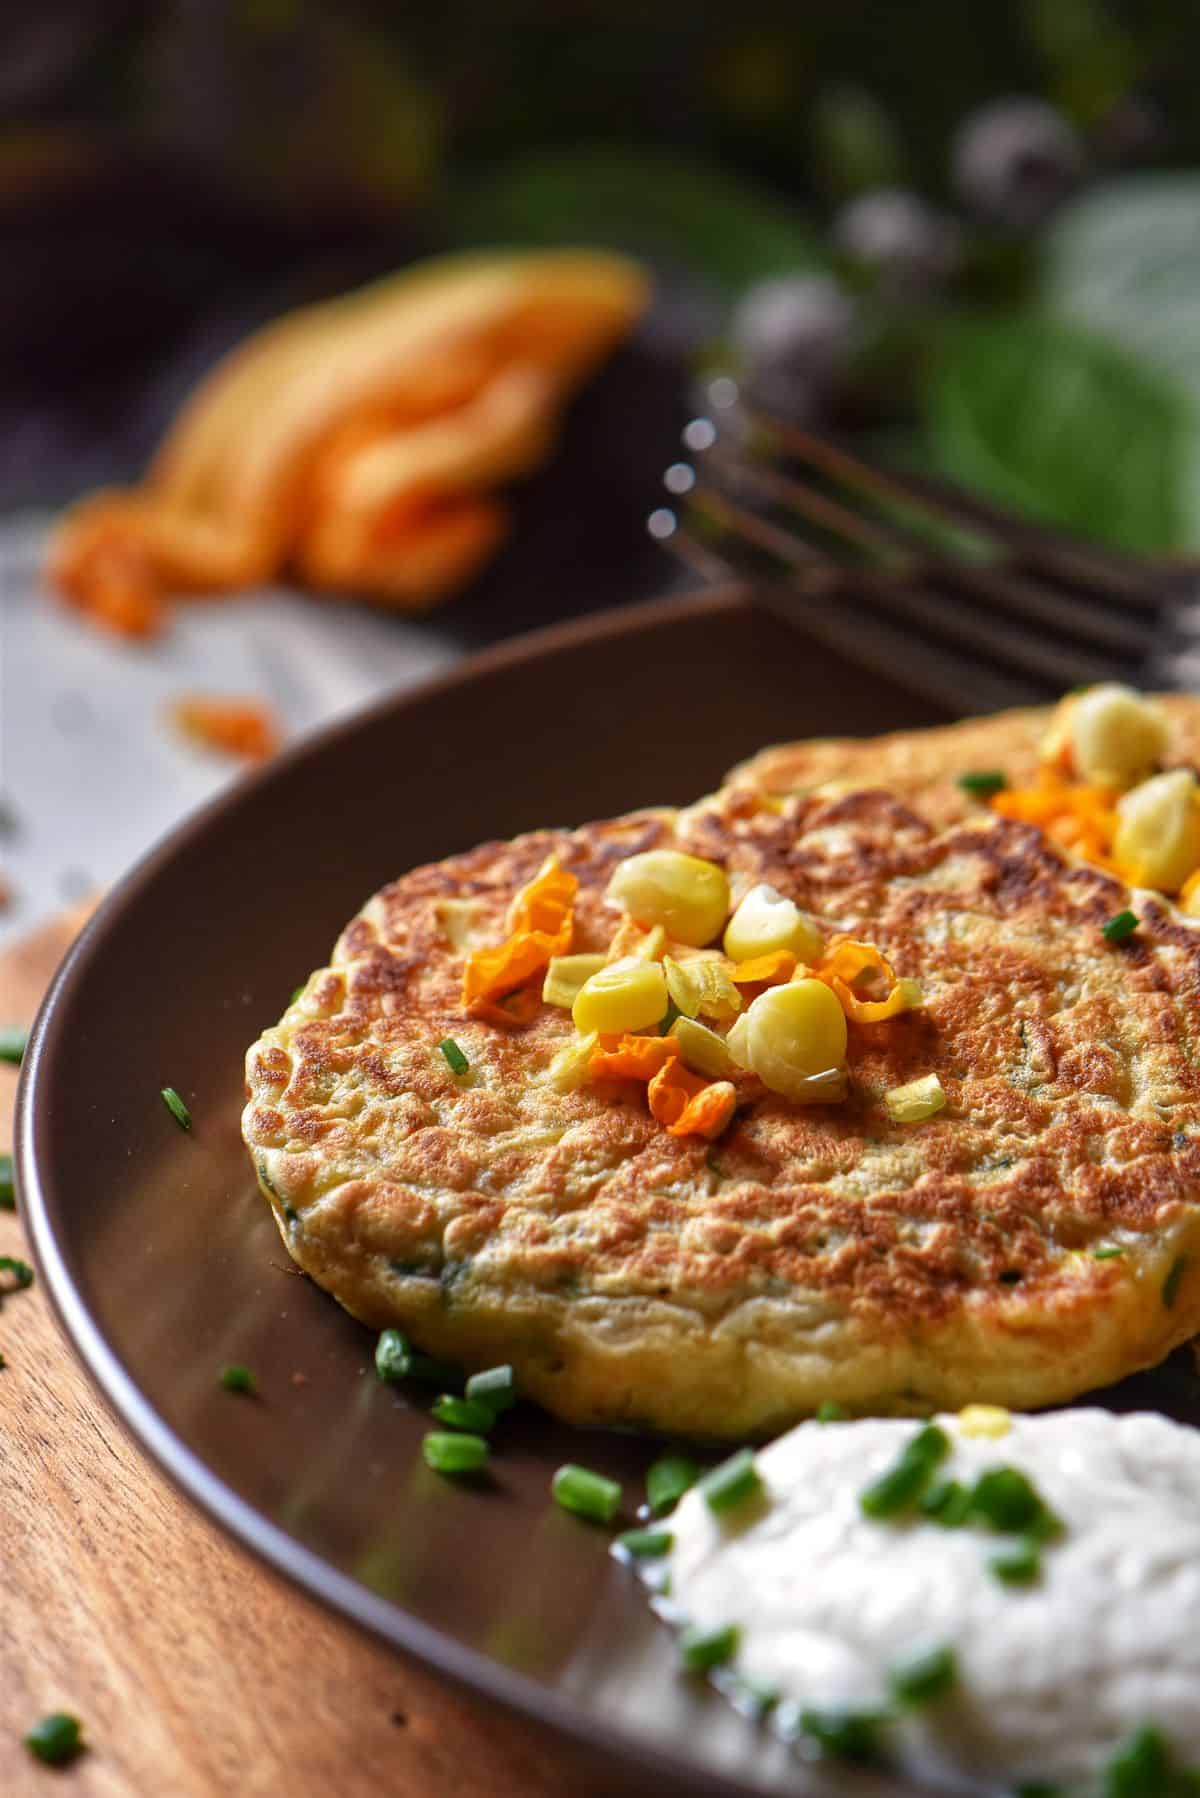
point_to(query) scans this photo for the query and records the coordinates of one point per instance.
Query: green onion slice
(667, 1481)
(585, 1493)
(946, 1502)
(829, 1411)
(467, 1414)
(1119, 927)
(20, 1270)
(56, 1739)
(985, 782)
(732, 1483)
(176, 1107)
(846, 1735)
(455, 1058)
(448, 1452)
(236, 1378)
(646, 1544)
(495, 1387)
(1018, 1566)
(1140, 1770)
(902, 1485)
(12, 1045)
(700, 1650)
(8, 1191)
(924, 1677)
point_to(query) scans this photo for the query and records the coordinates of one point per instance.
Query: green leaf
(1065, 427)
(649, 202)
(1124, 261)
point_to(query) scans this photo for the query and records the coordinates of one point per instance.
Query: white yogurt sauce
(1053, 1678)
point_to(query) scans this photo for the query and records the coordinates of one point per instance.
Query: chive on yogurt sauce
(1041, 1682)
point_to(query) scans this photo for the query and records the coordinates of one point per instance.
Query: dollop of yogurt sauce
(1052, 1679)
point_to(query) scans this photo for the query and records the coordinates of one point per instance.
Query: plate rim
(286, 1557)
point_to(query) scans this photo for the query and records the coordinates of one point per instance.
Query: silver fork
(919, 580)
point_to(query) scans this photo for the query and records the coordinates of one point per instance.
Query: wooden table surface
(194, 1671)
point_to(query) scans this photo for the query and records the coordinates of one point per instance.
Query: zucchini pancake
(701, 1119)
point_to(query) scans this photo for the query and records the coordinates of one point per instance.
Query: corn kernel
(570, 1067)
(1116, 736)
(987, 1421)
(565, 976)
(766, 921)
(1157, 841)
(736, 1043)
(793, 1032)
(687, 896)
(702, 1050)
(628, 995)
(702, 986)
(915, 1101)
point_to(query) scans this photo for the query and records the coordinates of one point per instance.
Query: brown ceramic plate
(164, 1263)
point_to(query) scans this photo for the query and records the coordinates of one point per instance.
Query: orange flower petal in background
(240, 727)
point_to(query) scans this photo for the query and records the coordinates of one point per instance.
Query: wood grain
(194, 1671)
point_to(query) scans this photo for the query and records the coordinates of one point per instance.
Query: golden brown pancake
(812, 1252)
(922, 766)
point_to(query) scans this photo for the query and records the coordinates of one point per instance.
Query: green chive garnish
(1108, 1253)
(495, 1387)
(924, 1677)
(946, 1502)
(176, 1107)
(396, 1359)
(701, 1649)
(846, 1735)
(236, 1378)
(646, 1544)
(902, 1485)
(464, 1414)
(12, 1045)
(829, 1411)
(1171, 1284)
(732, 1483)
(667, 1481)
(1005, 1500)
(448, 1452)
(1142, 1770)
(1018, 1566)
(21, 1271)
(983, 784)
(56, 1739)
(296, 992)
(455, 1058)
(8, 1191)
(1119, 927)
(585, 1493)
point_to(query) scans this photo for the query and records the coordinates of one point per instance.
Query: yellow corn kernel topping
(570, 1068)
(702, 1050)
(687, 896)
(1157, 841)
(701, 986)
(623, 996)
(565, 976)
(766, 921)
(792, 1033)
(915, 1101)
(987, 1421)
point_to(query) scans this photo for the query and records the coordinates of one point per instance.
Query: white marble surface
(92, 773)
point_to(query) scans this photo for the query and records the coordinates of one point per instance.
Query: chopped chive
(903, 1483)
(12, 1044)
(236, 1378)
(455, 1058)
(8, 1191)
(21, 1271)
(946, 1502)
(296, 992)
(1119, 927)
(585, 1493)
(829, 1411)
(983, 784)
(396, 1359)
(646, 1544)
(464, 1413)
(667, 1481)
(1106, 1253)
(495, 1387)
(1020, 1565)
(1005, 1500)
(447, 1452)
(56, 1739)
(1142, 1770)
(176, 1107)
(702, 1649)
(925, 1676)
(846, 1735)
(1171, 1284)
(732, 1483)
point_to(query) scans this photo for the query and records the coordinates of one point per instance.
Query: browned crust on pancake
(812, 1253)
